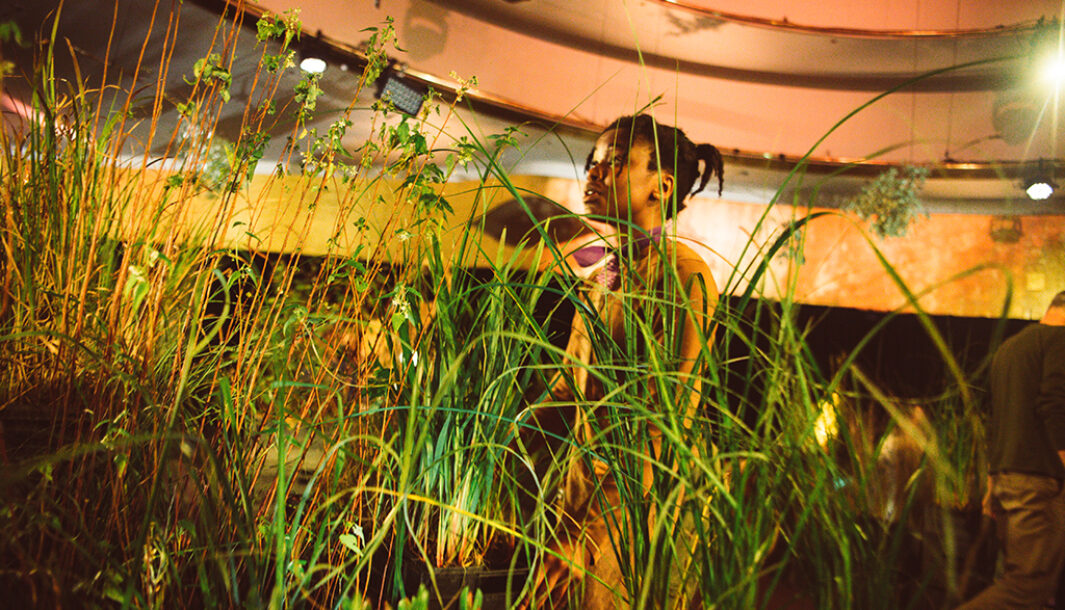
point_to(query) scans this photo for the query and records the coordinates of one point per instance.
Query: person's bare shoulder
(684, 259)
(672, 256)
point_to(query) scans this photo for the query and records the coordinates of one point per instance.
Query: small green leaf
(350, 542)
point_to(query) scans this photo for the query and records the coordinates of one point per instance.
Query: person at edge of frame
(1026, 455)
(636, 171)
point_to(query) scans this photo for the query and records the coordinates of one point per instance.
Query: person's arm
(571, 380)
(695, 294)
(701, 294)
(699, 329)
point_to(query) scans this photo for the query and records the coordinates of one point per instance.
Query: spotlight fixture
(1039, 182)
(316, 55)
(405, 93)
(1047, 59)
(1054, 70)
(1039, 189)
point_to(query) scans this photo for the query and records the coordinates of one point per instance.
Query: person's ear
(664, 190)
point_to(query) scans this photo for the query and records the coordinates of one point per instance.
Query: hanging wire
(1057, 87)
(950, 104)
(913, 92)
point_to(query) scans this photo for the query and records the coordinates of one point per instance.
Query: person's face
(620, 183)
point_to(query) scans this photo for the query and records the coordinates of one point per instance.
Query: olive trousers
(1029, 512)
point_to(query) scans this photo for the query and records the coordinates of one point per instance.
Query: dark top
(1028, 402)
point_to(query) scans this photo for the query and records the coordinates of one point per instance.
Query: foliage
(890, 200)
(9, 32)
(229, 428)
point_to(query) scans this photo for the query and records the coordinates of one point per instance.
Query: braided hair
(673, 152)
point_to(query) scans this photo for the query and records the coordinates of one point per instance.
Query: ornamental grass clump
(191, 420)
(186, 427)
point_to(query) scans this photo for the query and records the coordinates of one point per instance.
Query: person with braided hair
(639, 175)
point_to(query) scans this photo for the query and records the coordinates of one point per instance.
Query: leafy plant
(890, 201)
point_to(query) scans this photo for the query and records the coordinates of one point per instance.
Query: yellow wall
(840, 264)
(841, 267)
(311, 216)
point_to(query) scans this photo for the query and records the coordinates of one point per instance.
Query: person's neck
(638, 234)
(640, 226)
(645, 220)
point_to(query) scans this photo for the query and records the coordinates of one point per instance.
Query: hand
(986, 504)
(559, 574)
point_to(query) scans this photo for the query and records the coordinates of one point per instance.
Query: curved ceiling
(898, 18)
(773, 89)
(764, 80)
(694, 38)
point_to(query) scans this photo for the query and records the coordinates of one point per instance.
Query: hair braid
(712, 164)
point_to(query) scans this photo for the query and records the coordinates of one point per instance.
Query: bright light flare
(1039, 191)
(1054, 70)
(313, 65)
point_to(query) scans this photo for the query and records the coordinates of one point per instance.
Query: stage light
(405, 94)
(316, 55)
(1046, 60)
(1039, 190)
(313, 65)
(1053, 70)
(1038, 180)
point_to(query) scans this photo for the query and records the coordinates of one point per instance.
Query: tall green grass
(211, 427)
